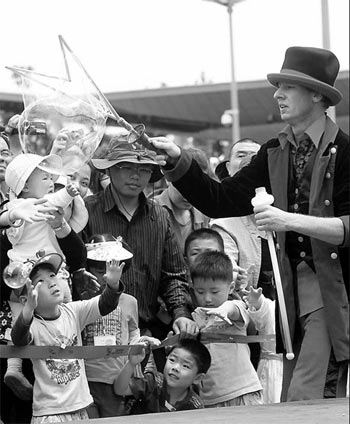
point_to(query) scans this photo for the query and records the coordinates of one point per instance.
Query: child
(33, 176)
(60, 389)
(200, 240)
(231, 379)
(270, 368)
(119, 327)
(204, 240)
(186, 365)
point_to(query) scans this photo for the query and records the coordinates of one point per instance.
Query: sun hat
(104, 247)
(310, 67)
(119, 150)
(53, 259)
(20, 168)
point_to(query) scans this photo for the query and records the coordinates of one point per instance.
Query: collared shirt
(299, 245)
(314, 131)
(157, 267)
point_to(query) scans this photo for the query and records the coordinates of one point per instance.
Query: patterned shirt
(157, 267)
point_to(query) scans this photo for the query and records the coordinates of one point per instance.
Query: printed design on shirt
(206, 322)
(63, 371)
(109, 324)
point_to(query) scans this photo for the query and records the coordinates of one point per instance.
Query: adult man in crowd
(306, 168)
(122, 209)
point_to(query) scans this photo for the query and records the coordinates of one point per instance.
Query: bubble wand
(263, 198)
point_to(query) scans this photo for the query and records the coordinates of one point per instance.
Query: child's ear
(232, 287)
(198, 379)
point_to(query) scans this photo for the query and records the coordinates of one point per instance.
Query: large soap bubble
(80, 118)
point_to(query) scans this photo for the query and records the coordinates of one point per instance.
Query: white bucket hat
(20, 168)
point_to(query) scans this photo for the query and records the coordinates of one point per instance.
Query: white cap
(20, 168)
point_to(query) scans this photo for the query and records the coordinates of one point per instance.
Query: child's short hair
(212, 265)
(204, 234)
(199, 352)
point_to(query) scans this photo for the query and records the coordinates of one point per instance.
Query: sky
(138, 44)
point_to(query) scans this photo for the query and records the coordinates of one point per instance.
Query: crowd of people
(192, 262)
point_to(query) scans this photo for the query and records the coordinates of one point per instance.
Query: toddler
(231, 379)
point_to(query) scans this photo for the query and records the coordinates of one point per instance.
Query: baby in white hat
(33, 176)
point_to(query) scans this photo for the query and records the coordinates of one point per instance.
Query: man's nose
(278, 94)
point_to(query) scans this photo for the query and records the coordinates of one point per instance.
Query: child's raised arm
(121, 383)
(20, 333)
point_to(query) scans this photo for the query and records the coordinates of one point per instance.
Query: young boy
(204, 240)
(172, 390)
(119, 327)
(231, 379)
(60, 387)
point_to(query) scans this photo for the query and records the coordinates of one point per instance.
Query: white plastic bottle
(263, 198)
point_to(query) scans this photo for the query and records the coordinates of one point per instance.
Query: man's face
(130, 179)
(239, 152)
(295, 103)
(5, 158)
(180, 370)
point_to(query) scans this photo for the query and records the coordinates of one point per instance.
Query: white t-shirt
(231, 373)
(60, 384)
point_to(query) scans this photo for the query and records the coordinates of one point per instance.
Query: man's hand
(85, 285)
(185, 327)
(114, 270)
(172, 151)
(270, 218)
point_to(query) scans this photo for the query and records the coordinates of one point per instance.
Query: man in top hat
(306, 168)
(122, 209)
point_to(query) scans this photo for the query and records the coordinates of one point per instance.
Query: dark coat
(329, 196)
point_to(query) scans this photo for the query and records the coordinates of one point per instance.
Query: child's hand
(253, 297)
(137, 358)
(223, 311)
(72, 189)
(32, 300)
(113, 273)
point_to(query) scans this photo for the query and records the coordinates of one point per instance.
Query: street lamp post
(234, 92)
(326, 41)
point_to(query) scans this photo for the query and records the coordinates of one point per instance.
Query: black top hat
(312, 68)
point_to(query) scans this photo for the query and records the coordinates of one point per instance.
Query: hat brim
(103, 164)
(104, 251)
(288, 76)
(53, 259)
